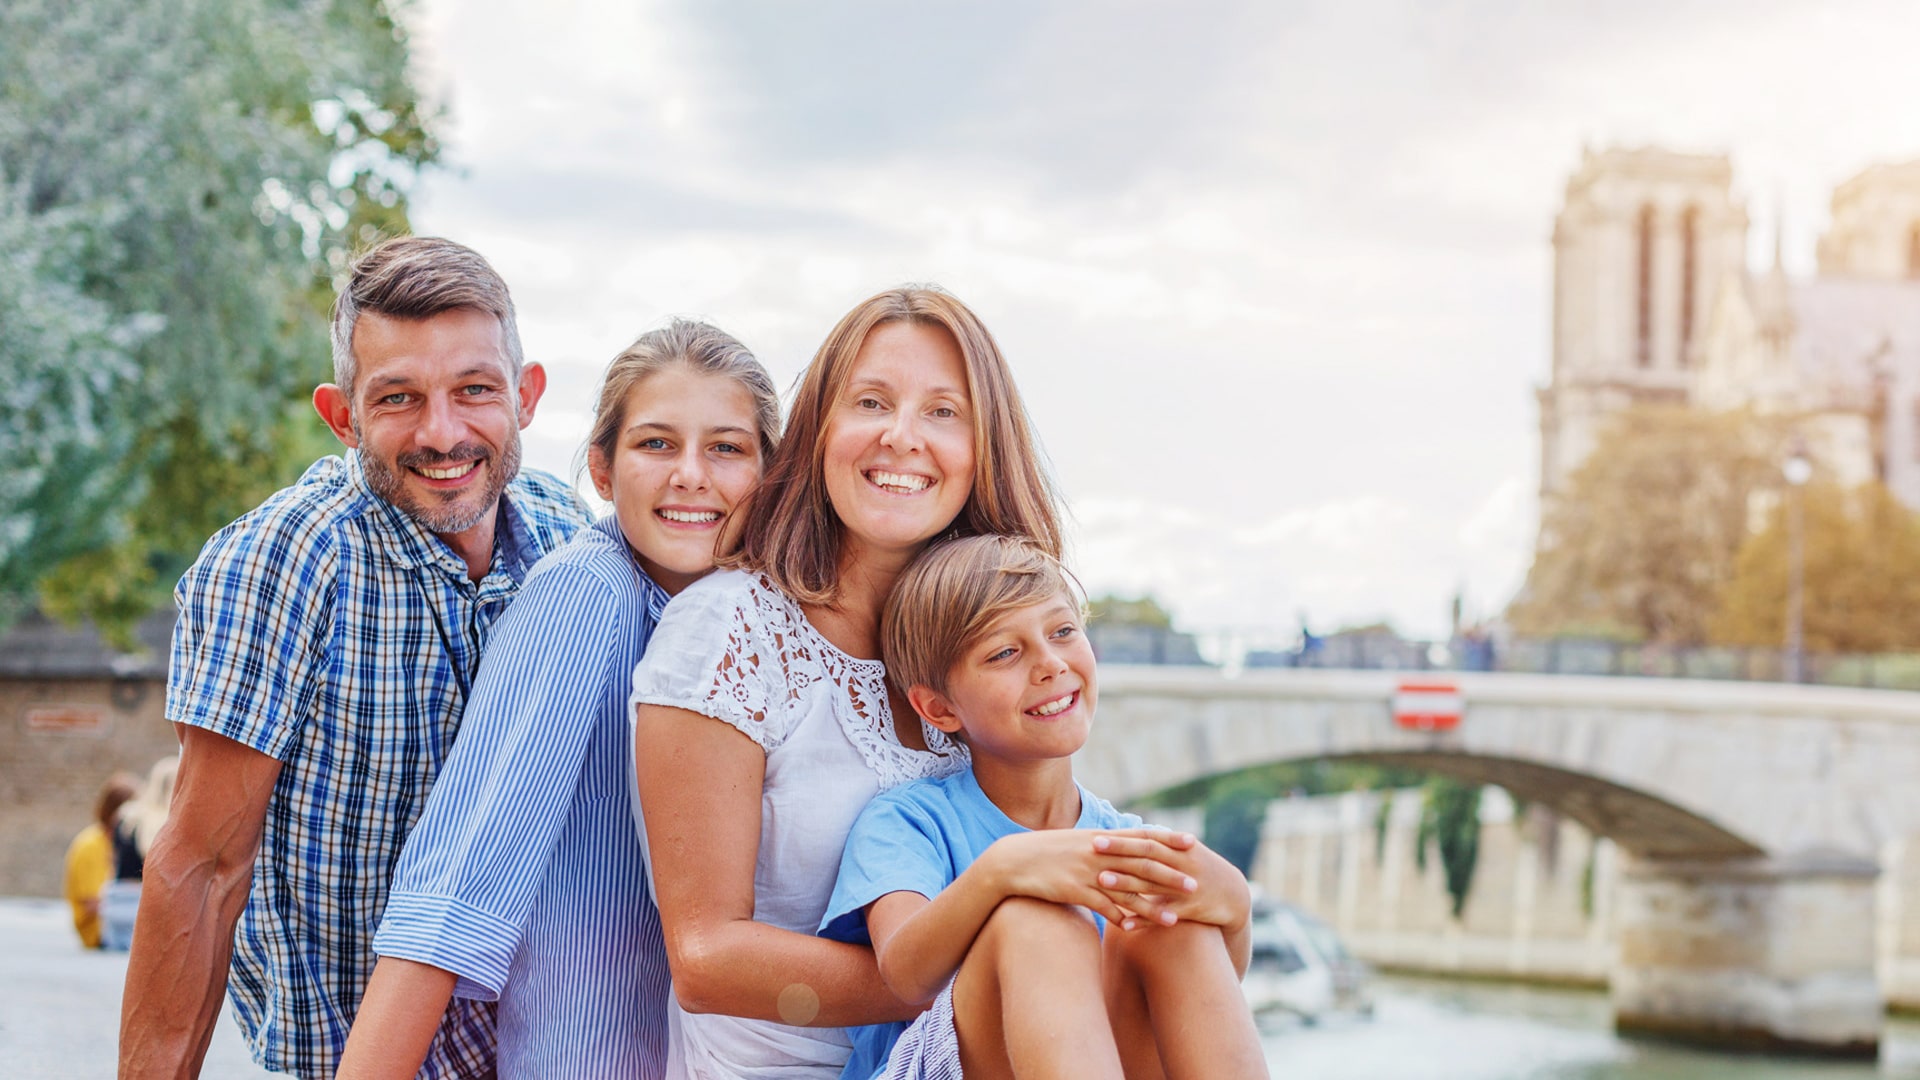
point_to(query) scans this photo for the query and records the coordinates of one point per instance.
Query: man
(325, 646)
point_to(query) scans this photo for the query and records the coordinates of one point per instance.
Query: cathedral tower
(1639, 250)
(1876, 225)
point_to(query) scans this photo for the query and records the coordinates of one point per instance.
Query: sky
(1273, 277)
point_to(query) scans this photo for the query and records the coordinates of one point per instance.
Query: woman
(906, 426)
(133, 832)
(522, 881)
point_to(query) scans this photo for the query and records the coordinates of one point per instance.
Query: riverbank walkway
(60, 1003)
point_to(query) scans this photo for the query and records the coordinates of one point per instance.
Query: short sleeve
(721, 650)
(256, 611)
(896, 845)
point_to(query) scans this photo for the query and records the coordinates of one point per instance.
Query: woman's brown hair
(791, 532)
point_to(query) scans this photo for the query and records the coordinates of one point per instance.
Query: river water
(1453, 1030)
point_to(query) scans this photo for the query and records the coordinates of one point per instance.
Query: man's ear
(533, 383)
(336, 408)
(934, 708)
(601, 470)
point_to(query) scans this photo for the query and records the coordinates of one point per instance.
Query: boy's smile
(1026, 689)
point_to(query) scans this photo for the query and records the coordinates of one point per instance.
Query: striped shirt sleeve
(476, 859)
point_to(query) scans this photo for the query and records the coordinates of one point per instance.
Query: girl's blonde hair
(791, 533)
(953, 593)
(703, 348)
(145, 813)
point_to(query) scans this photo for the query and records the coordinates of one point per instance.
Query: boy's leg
(1026, 1000)
(1177, 983)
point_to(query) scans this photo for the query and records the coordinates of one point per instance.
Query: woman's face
(899, 440)
(686, 453)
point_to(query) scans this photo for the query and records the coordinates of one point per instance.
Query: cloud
(1274, 279)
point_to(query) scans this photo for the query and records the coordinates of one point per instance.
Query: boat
(1300, 969)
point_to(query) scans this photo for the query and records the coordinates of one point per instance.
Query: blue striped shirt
(525, 876)
(331, 631)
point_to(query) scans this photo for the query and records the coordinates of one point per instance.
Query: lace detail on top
(773, 660)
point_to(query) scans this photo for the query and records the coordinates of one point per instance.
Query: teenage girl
(523, 881)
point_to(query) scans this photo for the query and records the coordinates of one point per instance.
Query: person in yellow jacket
(90, 858)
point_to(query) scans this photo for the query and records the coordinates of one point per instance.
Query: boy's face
(1025, 690)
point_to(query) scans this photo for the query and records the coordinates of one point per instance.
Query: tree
(179, 182)
(1645, 536)
(1129, 611)
(1861, 583)
(1450, 820)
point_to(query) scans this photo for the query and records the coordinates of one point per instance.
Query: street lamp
(1797, 469)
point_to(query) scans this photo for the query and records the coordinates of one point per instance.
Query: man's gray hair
(418, 277)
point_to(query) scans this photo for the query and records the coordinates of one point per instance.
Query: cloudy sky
(1273, 276)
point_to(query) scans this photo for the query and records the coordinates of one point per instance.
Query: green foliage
(1586, 880)
(1130, 611)
(1450, 820)
(1317, 776)
(1382, 820)
(1234, 814)
(179, 182)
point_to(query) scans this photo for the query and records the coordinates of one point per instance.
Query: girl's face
(686, 453)
(898, 447)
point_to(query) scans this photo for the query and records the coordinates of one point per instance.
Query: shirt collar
(651, 593)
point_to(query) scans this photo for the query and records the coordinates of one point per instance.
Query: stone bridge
(1753, 813)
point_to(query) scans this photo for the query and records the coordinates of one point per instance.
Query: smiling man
(320, 666)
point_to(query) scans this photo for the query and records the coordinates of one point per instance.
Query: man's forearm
(177, 973)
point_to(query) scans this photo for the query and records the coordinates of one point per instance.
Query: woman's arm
(398, 1018)
(700, 784)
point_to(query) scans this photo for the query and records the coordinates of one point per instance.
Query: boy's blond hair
(952, 593)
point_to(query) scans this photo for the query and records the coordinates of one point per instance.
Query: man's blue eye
(394, 399)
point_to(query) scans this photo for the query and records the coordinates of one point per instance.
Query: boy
(974, 888)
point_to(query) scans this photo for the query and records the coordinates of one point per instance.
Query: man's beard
(451, 515)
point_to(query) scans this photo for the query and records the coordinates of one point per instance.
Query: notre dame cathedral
(1653, 301)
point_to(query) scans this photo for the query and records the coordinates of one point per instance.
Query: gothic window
(1689, 270)
(1643, 337)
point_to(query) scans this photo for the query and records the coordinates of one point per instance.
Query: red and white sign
(1427, 705)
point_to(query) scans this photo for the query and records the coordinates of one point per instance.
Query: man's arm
(193, 891)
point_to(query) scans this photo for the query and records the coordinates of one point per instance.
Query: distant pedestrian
(133, 833)
(90, 858)
(326, 648)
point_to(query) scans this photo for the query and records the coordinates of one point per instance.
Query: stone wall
(60, 738)
(1526, 914)
(1531, 912)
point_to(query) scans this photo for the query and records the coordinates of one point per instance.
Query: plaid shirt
(330, 631)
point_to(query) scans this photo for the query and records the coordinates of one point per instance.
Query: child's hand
(1065, 866)
(1211, 890)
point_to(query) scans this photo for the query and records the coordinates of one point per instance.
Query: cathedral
(1653, 302)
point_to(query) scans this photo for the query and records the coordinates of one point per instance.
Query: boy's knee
(1176, 945)
(1023, 922)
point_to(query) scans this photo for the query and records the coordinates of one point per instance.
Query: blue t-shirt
(918, 837)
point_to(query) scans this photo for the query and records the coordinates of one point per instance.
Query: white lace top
(733, 647)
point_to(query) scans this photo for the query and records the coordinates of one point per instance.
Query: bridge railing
(1578, 656)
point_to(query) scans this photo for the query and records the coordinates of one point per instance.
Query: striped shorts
(930, 1047)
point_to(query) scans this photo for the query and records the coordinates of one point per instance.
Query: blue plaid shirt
(330, 631)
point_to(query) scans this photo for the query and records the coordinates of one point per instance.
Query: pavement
(60, 1003)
